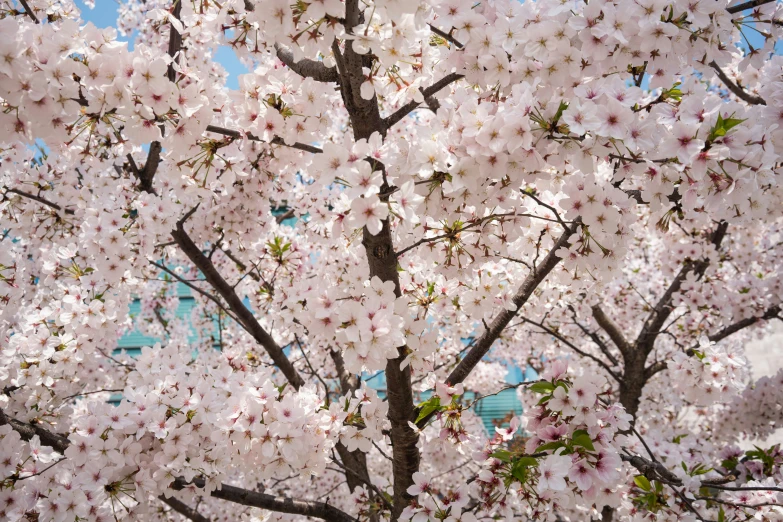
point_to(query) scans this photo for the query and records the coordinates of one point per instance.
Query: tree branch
(595, 338)
(235, 304)
(245, 497)
(39, 199)
(611, 328)
(771, 313)
(446, 36)
(571, 345)
(29, 11)
(307, 68)
(531, 282)
(721, 334)
(175, 41)
(275, 141)
(747, 5)
(190, 285)
(183, 509)
(738, 91)
(663, 308)
(147, 174)
(411, 106)
(54, 440)
(406, 458)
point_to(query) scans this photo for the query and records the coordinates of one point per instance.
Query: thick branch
(771, 313)
(738, 91)
(307, 68)
(406, 458)
(235, 304)
(664, 308)
(611, 328)
(595, 338)
(411, 106)
(500, 322)
(183, 509)
(192, 286)
(245, 497)
(54, 440)
(175, 41)
(147, 174)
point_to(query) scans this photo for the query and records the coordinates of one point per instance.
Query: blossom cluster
(119, 455)
(546, 179)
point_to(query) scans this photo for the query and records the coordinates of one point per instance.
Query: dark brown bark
(275, 141)
(663, 309)
(771, 313)
(147, 174)
(307, 68)
(411, 106)
(635, 375)
(747, 5)
(502, 320)
(39, 199)
(54, 440)
(633, 382)
(405, 456)
(235, 304)
(738, 91)
(183, 509)
(29, 11)
(355, 461)
(291, 506)
(366, 119)
(611, 328)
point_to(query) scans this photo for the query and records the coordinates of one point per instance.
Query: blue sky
(105, 14)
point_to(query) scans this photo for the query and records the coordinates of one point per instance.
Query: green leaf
(430, 405)
(563, 106)
(526, 461)
(729, 464)
(520, 467)
(501, 454)
(549, 446)
(642, 482)
(722, 126)
(581, 438)
(721, 515)
(519, 473)
(674, 93)
(543, 387)
(730, 123)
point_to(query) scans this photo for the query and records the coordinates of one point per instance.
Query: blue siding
(135, 339)
(492, 410)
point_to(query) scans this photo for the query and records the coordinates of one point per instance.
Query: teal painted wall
(491, 410)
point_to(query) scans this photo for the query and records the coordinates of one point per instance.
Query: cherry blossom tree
(587, 188)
